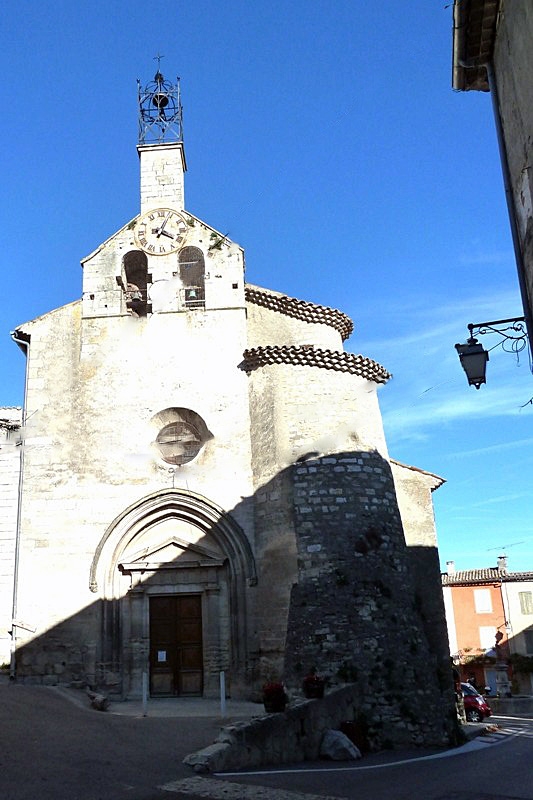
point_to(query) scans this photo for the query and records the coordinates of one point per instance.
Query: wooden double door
(176, 654)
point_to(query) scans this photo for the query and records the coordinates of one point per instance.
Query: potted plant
(274, 697)
(314, 685)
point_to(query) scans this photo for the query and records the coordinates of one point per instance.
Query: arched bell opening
(137, 280)
(192, 276)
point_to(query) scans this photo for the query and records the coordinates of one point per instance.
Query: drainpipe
(25, 344)
(511, 208)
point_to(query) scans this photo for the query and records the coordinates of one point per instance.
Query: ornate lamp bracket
(474, 357)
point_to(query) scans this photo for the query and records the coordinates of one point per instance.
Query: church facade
(206, 485)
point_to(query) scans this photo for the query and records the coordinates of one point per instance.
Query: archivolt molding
(159, 507)
(315, 357)
(301, 309)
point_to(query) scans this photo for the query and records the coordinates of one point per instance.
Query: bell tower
(160, 144)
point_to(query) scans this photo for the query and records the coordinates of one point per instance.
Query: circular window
(179, 442)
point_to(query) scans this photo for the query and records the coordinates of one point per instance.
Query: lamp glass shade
(474, 361)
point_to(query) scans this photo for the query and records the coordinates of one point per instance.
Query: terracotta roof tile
(297, 355)
(300, 309)
(486, 575)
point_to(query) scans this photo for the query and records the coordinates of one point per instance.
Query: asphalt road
(494, 767)
(51, 749)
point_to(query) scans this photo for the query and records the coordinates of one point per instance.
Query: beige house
(209, 489)
(517, 591)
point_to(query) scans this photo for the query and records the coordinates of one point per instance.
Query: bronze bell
(160, 100)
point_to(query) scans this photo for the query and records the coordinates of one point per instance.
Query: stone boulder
(98, 701)
(336, 746)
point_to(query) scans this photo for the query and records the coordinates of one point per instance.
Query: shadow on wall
(329, 585)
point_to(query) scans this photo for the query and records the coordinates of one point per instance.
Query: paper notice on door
(161, 655)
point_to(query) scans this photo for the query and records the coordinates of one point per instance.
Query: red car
(476, 707)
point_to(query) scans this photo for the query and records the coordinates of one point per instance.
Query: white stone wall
(297, 410)
(518, 620)
(162, 168)
(266, 327)
(104, 276)
(413, 489)
(91, 415)
(10, 420)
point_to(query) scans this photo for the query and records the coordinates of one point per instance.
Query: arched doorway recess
(173, 572)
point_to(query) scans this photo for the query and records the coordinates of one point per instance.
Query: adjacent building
(489, 613)
(492, 52)
(10, 453)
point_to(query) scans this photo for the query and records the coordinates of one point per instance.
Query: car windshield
(467, 689)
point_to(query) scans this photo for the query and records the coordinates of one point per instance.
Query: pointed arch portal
(173, 571)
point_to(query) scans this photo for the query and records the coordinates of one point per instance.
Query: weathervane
(160, 109)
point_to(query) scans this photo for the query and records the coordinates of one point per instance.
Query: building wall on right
(518, 600)
(513, 68)
(492, 52)
(518, 597)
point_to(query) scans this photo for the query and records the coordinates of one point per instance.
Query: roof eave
(474, 32)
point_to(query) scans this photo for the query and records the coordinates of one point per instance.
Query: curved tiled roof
(10, 417)
(300, 309)
(307, 356)
(487, 575)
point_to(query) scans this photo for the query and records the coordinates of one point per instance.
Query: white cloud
(429, 389)
(494, 448)
(495, 257)
(503, 498)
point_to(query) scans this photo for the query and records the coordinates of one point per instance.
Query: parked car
(476, 707)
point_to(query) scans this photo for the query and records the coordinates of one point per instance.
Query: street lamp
(474, 361)
(474, 357)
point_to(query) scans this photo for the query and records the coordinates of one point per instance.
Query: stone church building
(205, 480)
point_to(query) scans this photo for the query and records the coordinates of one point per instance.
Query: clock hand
(162, 228)
(165, 233)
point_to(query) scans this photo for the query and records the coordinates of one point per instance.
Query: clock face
(161, 231)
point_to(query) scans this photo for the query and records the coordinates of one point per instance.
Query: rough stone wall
(10, 420)
(296, 735)
(354, 614)
(513, 63)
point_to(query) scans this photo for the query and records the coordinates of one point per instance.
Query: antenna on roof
(504, 547)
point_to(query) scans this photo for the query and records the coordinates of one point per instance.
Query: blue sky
(325, 138)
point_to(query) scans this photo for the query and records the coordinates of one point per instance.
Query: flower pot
(274, 705)
(274, 697)
(314, 690)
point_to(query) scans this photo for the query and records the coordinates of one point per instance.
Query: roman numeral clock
(161, 231)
